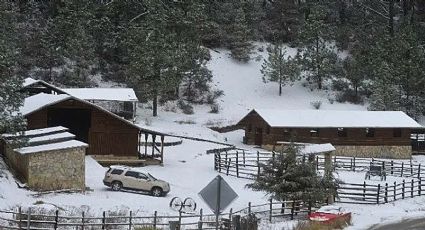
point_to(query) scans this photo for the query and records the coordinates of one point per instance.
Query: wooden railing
(31, 220)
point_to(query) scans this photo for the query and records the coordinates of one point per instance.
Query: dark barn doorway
(259, 136)
(78, 121)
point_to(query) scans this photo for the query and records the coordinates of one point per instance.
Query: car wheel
(116, 186)
(156, 191)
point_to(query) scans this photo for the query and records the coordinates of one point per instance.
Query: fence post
(292, 209)
(271, 210)
(237, 164)
(386, 192)
(395, 192)
(215, 160)
(411, 168)
(392, 167)
(103, 219)
(228, 166)
(309, 207)
(317, 163)
(219, 162)
(419, 171)
(258, 163)
(282, 211)
(20, 217)
(155, 214)
(230, 218)
(130, 221)
(200, 219)
(249, 208)
(420, 186)
(243, 152)
(56, 219)
(29, 218)
(364, 190)
(411, 189)
(180, 219)
(354, 164)
(377, 194)
(402, 169)
(404, 186)
(383, 165)
(82, 220)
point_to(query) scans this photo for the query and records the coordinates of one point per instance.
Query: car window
(117, 171)
(132, 174)
(143, 176)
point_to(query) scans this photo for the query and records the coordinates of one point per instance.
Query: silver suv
(118, 177)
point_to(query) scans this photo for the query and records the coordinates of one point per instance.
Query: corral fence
(33, 220)
(245, 164)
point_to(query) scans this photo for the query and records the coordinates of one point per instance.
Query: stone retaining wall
(57, 170)
(395, 152)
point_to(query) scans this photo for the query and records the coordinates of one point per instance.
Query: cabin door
(259, 136)
(78, 121)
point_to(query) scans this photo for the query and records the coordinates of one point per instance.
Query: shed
(105, 132)
(49, 160)
(353, 133)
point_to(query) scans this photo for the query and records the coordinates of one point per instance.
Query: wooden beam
(146, 144)
(153, 145)
(162, 149)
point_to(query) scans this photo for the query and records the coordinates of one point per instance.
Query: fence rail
(32, 220)
(245, 164)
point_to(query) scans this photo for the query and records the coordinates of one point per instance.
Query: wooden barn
(353, 133)
(105, 132)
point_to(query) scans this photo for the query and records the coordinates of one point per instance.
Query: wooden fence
(245, 164)
(31, 220)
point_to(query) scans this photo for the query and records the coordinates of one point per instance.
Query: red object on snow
(329, 215)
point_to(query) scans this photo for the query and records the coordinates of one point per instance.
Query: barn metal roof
(103, 94)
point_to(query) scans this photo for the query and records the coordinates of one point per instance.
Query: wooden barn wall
(355, 136)
(107, 134)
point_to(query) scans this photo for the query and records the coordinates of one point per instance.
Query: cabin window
(396, 132)
(342, 132)
(314, 132)
(249, 128)
(287, 134)
(370, 132)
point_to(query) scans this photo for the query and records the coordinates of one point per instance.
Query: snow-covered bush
(316, 104)
(215, 108)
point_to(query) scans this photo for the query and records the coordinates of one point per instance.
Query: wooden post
(351, 164)
(402, 189)
(155, 214)
(29, 219)
(153, 145)
(258, 163)
(411, 188)
(237, 164)
(420, 186)
(82, 220)
(215, 160)
(228, 166)
(411, 168)
(282, 211)
(200, 219)
(130, 220)
(230, 218)
(20, 218)
(271, 210)
(146, 144)
(395, 192)
(219, 162)
(249, 208)
(180, 219)
(419, 171)
(103, 219)
(364, 190)
(162, 149)
(354, 164)
(386, 193)
(377, 193)
(317, 163)
(402, 169)
(56, 219)
(292, 210)
(392, 167)
(243, 152)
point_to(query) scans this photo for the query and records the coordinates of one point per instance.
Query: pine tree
(287, 177)
(278, 68)
(318, 57)
(239, 34)
(10, 83)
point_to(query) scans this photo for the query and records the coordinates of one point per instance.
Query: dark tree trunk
(155, 101)
(391, 18)
(280, 87)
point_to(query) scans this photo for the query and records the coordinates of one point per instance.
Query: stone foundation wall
(57, 170)
(17, 162)
(395, 152)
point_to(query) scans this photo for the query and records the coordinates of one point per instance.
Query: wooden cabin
(105, 132)
(353, 133)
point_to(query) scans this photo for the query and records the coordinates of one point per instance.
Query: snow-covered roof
(50, 147)
(51, 138)
(337, 119)
(38, 132)
(29, 81)
(310, 148)
(41, 100)
(103, 94)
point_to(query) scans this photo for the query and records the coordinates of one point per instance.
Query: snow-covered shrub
(213, 96)
(316, 104)
(215, 108)
(185, 107)
(148, 121)
(170, 106)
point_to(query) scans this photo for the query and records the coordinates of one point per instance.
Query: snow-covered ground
(187, 166)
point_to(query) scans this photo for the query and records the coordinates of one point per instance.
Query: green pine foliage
(10, 81)
(287, 177)
(278, 68)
